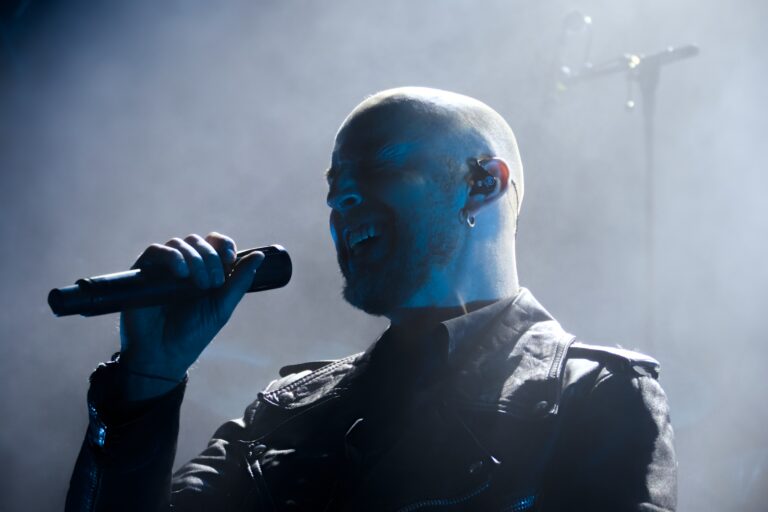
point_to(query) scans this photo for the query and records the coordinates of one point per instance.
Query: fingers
(214, 267)
(225, 247)
(237, 285)
(197, 270)
(204, 260)
(162, 256)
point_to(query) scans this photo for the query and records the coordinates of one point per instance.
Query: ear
(481, 196)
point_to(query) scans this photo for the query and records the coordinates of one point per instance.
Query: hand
(164, 341)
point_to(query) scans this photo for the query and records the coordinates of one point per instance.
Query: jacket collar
(511, 360)
(506, 357)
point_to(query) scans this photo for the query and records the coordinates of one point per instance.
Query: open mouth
(362, 238)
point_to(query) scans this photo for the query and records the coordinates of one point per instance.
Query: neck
(470, 282)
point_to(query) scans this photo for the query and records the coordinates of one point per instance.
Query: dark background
(127, 123)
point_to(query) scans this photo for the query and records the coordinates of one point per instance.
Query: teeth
(362, 233)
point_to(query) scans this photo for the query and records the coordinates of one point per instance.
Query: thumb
(229, 295)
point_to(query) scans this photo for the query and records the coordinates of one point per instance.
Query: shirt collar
(463, 329)
(458, 334)
(506, 357)
(445, 337)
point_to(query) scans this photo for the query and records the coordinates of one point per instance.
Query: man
(474, 398)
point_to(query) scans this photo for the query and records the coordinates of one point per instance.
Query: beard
(380, 287)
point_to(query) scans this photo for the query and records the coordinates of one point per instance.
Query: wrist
(153, 366)
(143, 384)
(116, 416)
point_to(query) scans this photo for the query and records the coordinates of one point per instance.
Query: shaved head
(405, 189)
(467, 125)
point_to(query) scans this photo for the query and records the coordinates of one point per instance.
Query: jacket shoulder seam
(616, 359)
(320, 372)
(607, 375)
(300, 367)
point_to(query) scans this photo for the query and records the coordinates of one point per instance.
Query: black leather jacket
(517, 417)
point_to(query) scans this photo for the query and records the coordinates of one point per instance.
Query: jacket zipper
(445, 502)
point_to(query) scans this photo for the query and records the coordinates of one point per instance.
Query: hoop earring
(467, 219)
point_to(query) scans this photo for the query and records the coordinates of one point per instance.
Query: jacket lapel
(515, 365)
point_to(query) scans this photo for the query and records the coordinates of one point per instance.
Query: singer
(474, 399)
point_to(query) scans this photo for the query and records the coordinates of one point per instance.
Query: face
(394, 196)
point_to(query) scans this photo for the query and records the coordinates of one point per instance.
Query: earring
(467, 219)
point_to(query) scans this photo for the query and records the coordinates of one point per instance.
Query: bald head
(424, 188)
(459, 125)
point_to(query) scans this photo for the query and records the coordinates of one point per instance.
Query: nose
(343, 195)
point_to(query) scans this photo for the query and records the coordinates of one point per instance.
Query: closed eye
(330, 175)
(382, 173)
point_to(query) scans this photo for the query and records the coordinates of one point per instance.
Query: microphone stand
(644, 70)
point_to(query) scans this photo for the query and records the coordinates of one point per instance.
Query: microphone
(110, 293)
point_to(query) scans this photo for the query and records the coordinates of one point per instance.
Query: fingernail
(257, 260)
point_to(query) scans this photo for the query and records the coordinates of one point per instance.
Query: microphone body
(110, 293)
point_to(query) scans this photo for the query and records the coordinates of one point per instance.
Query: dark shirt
(404, 369)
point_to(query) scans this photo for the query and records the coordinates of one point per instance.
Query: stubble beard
(384, 286)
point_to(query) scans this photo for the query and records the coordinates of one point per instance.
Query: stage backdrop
(127, 123)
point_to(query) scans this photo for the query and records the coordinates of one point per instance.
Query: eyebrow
(394, 154)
